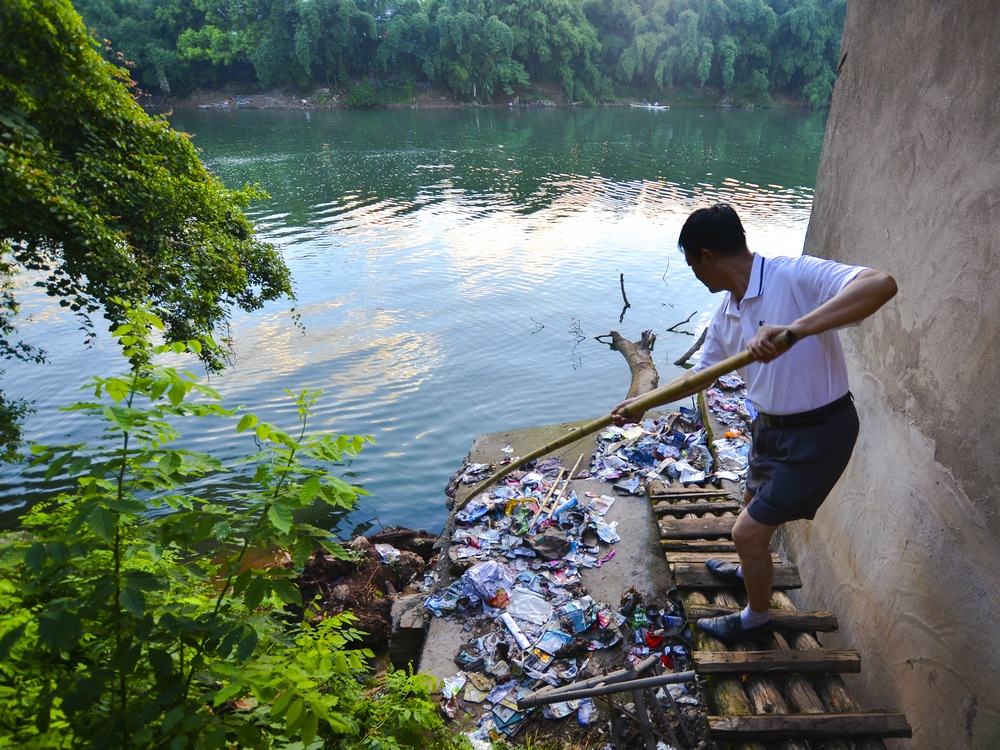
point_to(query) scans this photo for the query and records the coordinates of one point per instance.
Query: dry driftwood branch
(690, 352)
(639, 356)
(674, 326)
(627, 305)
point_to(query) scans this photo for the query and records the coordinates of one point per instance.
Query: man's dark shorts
(793, 469)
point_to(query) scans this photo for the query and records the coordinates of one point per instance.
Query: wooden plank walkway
(789, 696)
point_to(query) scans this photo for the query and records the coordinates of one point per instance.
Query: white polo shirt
(782, 289)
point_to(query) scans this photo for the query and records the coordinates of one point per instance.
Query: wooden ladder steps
(707, 527)
(697, 576)
(822, 622)
(787, 697)
(839, 661)
(784, 696)
(826, 726)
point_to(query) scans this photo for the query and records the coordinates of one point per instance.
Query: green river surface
(452, 269)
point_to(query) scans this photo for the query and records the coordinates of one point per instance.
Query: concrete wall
(906, 551)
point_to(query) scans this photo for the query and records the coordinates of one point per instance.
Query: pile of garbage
(730, 406)
(675, 447)
(517, 552)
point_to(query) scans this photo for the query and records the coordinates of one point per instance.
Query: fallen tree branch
(621, 317)
(695, 347)
(639, 356)
(674, 326)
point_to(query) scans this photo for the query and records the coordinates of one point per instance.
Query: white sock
(751, 619)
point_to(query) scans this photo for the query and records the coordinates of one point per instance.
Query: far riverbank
(538, 95)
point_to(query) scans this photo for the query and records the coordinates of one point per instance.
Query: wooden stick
(605, 679)
(662, 716)
(564, 487)
(692, 381)
(625, 686)
(644, 724)
(545, 502)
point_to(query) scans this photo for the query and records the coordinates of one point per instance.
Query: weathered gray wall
(906, 551)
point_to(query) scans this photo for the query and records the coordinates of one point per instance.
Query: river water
(452, 268)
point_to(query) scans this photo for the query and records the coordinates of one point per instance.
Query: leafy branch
(125, 623)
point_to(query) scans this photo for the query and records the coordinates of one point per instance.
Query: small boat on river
(654, 105)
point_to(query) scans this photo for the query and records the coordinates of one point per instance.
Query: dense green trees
(474, 50)
(102, 203)
(743, 49)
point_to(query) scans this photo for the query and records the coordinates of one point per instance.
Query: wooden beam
(695, 576)
(697, 545)
(700, 558)
(659, 486)
(685, 494)
(809, 726)
(824, 622)
(696, 528)
(755, 662)
(678, 509)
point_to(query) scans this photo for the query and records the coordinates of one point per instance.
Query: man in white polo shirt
(806, 425)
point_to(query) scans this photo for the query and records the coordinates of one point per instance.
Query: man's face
(702, 264)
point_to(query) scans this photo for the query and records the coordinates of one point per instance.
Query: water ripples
(452, 282)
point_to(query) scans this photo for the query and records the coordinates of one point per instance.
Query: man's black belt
(812, 418)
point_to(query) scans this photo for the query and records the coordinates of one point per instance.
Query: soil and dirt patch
(378, 570)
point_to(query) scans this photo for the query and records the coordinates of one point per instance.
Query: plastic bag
(487, 582)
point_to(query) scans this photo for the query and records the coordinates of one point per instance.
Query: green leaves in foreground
(130, 617)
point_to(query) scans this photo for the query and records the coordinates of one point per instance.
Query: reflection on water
(452, 270)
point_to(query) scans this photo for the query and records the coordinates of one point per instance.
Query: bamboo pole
(690, 383)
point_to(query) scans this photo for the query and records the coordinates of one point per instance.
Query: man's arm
(862, 296)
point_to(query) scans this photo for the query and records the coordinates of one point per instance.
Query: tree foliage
(745, 49)
(129, 617)
(100, 201)
(474, 50)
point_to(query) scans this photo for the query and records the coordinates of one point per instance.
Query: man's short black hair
(715, 228)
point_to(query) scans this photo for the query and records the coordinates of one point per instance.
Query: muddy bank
(537, 95)
(377, 571)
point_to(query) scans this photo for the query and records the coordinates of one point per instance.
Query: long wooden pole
(692, 382)
(543, 697)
